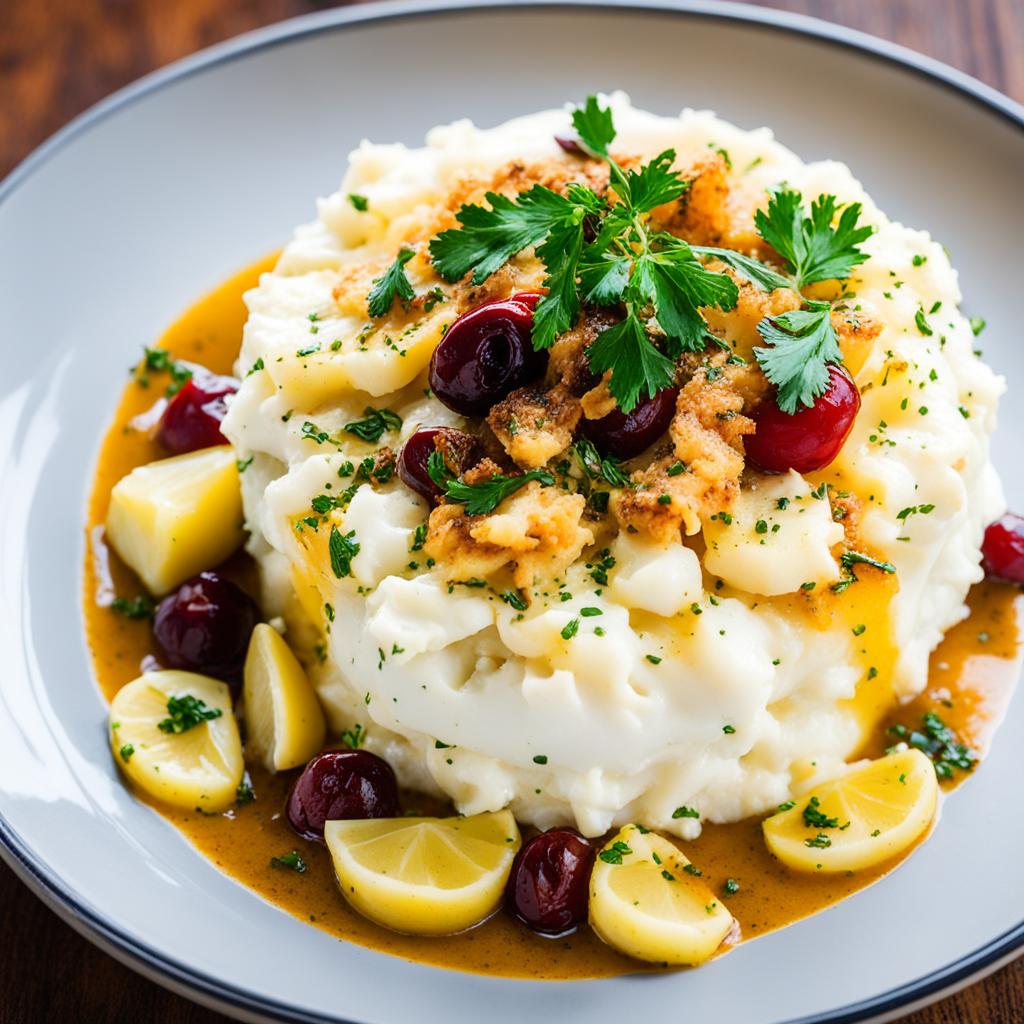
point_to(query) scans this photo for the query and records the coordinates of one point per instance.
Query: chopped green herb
(813, 818)
(484, 497)
(141, 607)
(375, 424)
(614, 853)
(515, 599)
(311, 431)
(290, 861)
(598, 467)
(354, 737)
(186, 712)
(686, 812)
(342, 549)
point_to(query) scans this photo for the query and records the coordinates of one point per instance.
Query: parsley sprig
(483, 498)
(811, 248)
(802, 344)
(600, 250)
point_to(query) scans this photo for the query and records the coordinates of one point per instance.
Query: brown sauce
(971, 678)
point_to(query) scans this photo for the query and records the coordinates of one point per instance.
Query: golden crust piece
(701, 214)
(857, 332)
(700, 474)
(536, 532)
(533, 425)
(738, 326)
(848, 511)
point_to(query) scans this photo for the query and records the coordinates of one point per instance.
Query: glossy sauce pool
(971, 678)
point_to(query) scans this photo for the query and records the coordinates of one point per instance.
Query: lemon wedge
(424, 876)
(860, 819)
(284, 725)
(646, 904)
(194, 761)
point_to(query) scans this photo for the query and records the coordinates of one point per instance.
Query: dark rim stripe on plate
(151, 962)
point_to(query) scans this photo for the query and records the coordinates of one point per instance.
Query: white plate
(119, 222)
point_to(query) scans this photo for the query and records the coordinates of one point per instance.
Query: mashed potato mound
(602, 666)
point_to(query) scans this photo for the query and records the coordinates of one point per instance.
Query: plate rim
(236, 1001)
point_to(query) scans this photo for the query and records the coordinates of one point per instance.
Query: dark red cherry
(810, 438)
(339, 785)
(550, 881)
(487, 353)
(193, 416)
(1002, 550)
(625, 434)
(461, 450)
(412, 463)
(205, 625)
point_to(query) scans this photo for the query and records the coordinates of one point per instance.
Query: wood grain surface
(57, 57)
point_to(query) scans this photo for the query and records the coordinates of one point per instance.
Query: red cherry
(204, 626)
(340, 785)
(1002, 550)
(810, 438)
(414, 459)
(412, 463)
(627, 434)
(549, 883)
(487, 353)
(193, 416)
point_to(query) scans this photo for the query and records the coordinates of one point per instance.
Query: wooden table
(57, 57)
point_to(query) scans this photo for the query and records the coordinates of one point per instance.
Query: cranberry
(341, 784)
(487, 353)
(810, 438)
(625, 434)
(548, 887)
(193, 416)
(204, 626)
(1002, 550)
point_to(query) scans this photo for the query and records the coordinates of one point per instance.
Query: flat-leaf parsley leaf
(390, 285)
(800, 346)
